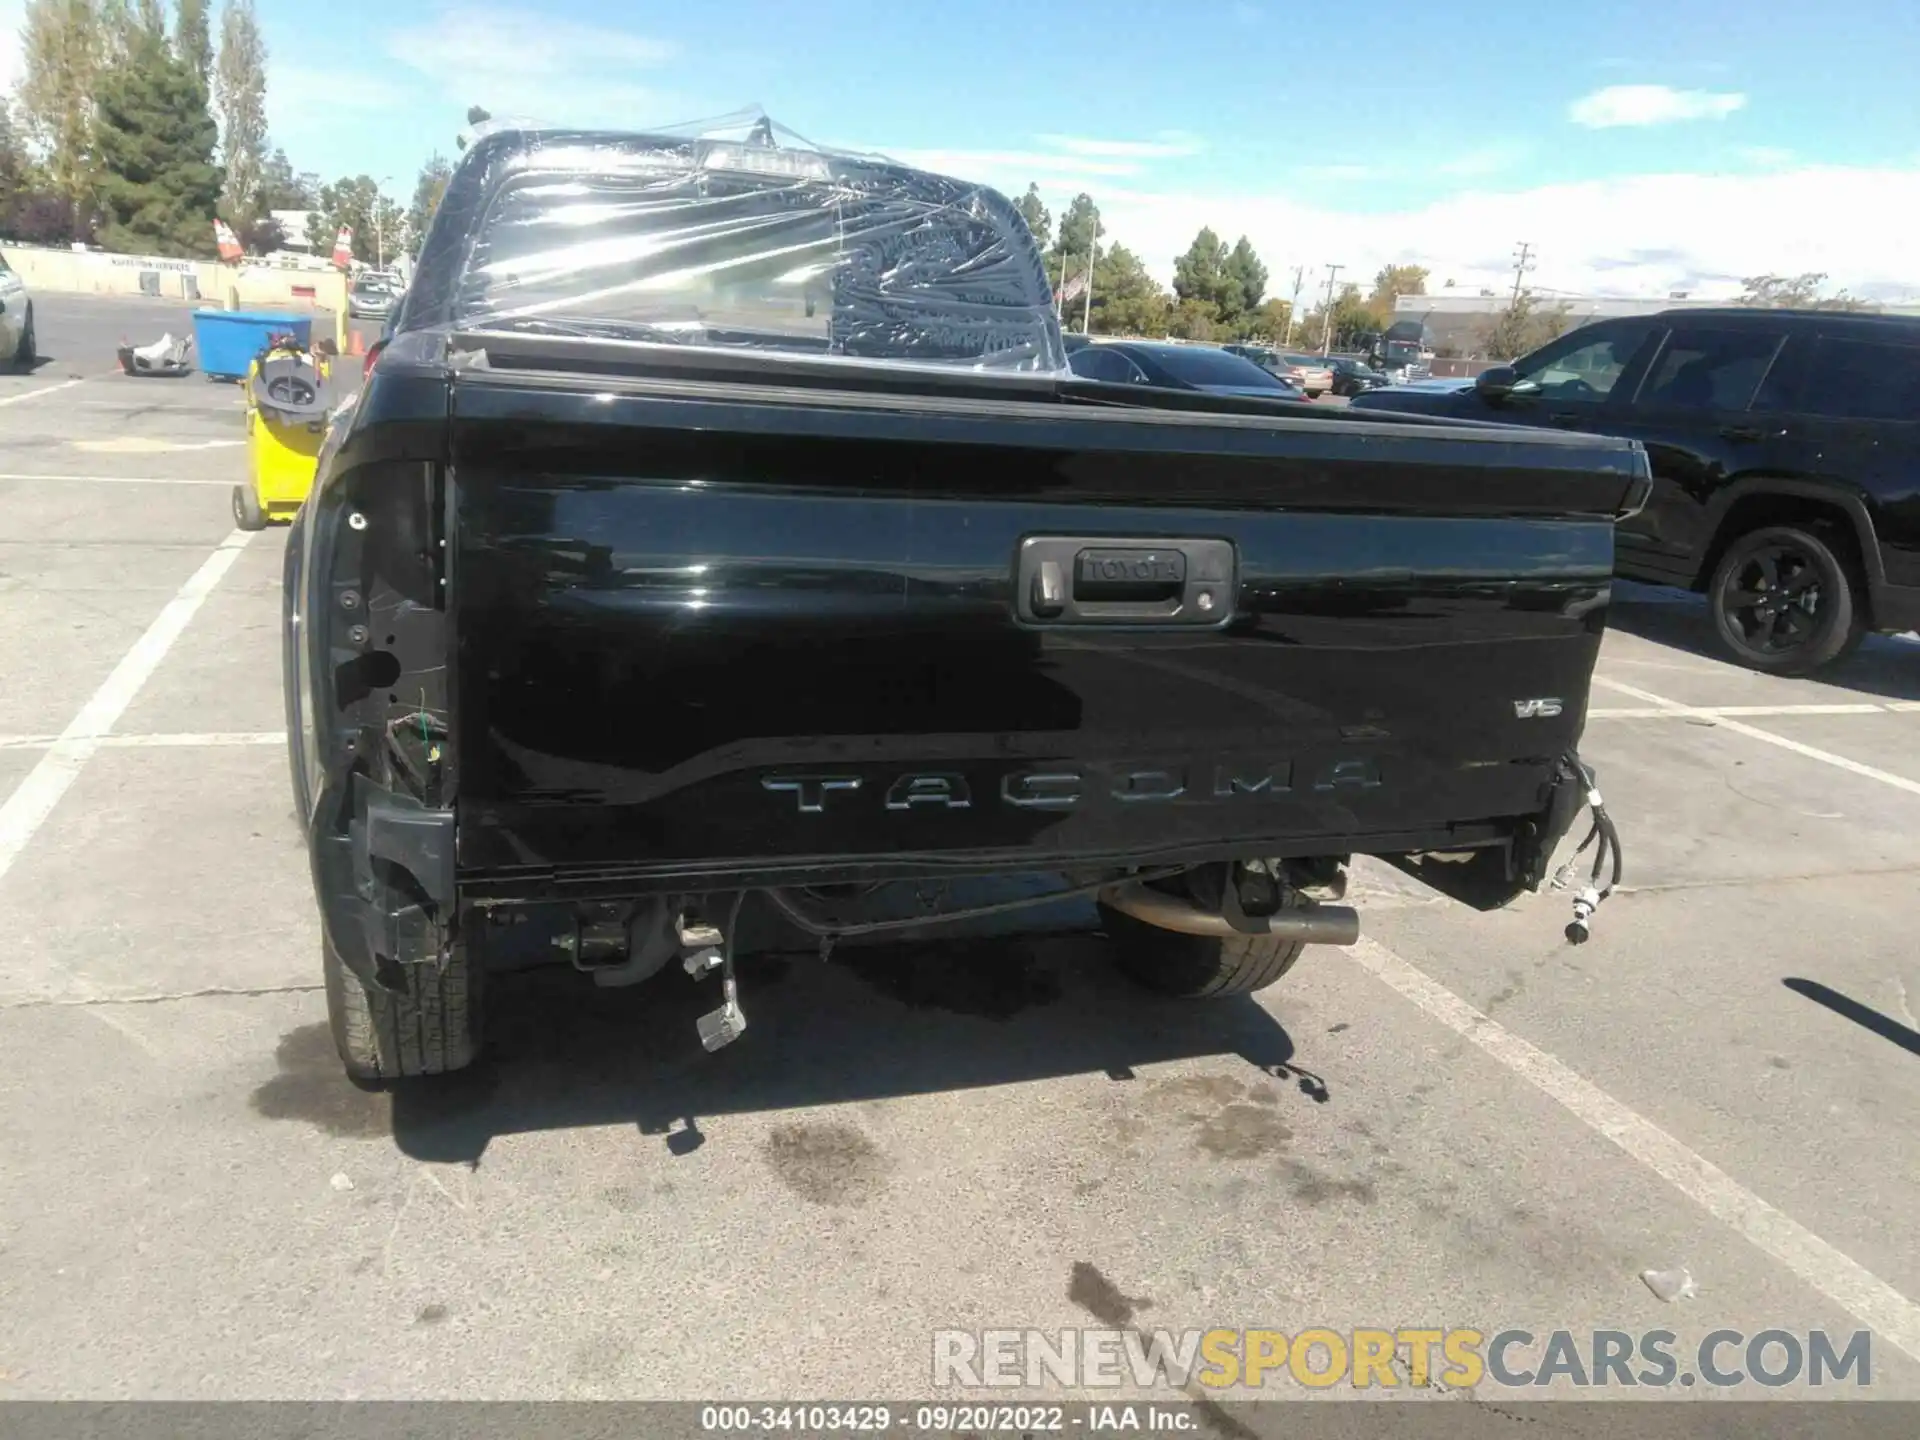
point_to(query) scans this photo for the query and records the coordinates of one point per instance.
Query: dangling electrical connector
(727, 1024)
(1604, 841)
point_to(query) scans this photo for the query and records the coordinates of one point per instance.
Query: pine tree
(1039, 220)
(156, 138)
(240, 82)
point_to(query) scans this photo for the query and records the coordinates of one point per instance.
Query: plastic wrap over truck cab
(720, 540)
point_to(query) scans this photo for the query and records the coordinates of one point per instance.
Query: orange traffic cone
(356, 344)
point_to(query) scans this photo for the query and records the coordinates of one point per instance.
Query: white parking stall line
(1853, 1287)
(43, 390)
(1655, 712)
(51, 479)
(1754, 732)
(33, 800)
(169, 740)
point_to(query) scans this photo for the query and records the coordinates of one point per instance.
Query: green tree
(240, 83)
(192, 38)
(281, 189)
(1193, 319)
(1244, 283)
(14, 165)
(379, 226)
(1126, 299)
(158, 184)
(1035, 213)
(62, 43)
(427, 191)
(1389, 285)
(1079, 228)
(1200, 274)
(1338, 327)
(1795, 292)
(1523, 325)
(1269, 322)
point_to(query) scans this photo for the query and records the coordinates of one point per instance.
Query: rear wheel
(429, 1026)
(1785, 601)
(28, 350)
(247, 511)
(1195, 967)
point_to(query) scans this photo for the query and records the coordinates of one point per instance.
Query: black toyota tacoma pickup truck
(720, 539)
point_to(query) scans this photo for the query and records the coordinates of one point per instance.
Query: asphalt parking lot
(1463, 1122)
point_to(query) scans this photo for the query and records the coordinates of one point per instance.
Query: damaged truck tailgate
(721, 537)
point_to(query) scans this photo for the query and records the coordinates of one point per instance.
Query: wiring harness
(1604, 841)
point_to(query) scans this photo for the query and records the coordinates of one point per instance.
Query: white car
(17, 347)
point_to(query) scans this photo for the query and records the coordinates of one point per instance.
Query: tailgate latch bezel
(1183, 581)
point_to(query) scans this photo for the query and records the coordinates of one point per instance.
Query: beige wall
(91, 272)
(229, 287)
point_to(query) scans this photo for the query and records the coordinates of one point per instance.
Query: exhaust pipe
(1313, 925)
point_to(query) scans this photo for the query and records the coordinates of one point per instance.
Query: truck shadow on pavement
(875, 1023)
(1884, 665)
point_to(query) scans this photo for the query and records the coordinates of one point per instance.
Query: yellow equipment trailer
(288, 406)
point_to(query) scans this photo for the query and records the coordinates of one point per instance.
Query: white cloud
(1642, 235)
(1168, 146)
(534, 68)
(1618, 105)
(1771, 156)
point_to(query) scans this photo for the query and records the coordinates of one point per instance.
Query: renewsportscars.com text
(1452, 1358)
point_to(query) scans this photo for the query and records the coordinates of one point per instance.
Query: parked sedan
(369, 299)
(1354, 377)
(1300, 371)
(1179, 367)
(1311, 373)
(17, 348)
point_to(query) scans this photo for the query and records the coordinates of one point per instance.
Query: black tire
(1786, 600)
(1195, 967)
(27, 353)
(247, 513)
(429, 1027)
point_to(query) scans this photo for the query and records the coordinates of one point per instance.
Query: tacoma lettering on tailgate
(1063, 787)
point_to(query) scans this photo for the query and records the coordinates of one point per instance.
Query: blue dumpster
(227, 340)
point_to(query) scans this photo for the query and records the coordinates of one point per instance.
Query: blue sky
(1640, 147)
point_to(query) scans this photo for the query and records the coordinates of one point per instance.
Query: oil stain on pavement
(310, 1087)
(827, 1164)
(1101, 1298)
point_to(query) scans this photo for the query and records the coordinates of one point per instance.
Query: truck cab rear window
(824, 254)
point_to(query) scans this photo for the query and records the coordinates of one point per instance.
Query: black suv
(1785, 448)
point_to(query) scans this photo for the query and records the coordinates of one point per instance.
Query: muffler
(1314, 925)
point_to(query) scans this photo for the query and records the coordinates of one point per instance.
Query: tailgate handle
(1091, 580)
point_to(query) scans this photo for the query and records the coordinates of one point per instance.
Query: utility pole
(1326, 325)
(1293, 307)
(1521, 257)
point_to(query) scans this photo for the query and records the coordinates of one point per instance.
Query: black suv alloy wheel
(1783, 600)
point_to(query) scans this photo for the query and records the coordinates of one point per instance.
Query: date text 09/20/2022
(949, 1419)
